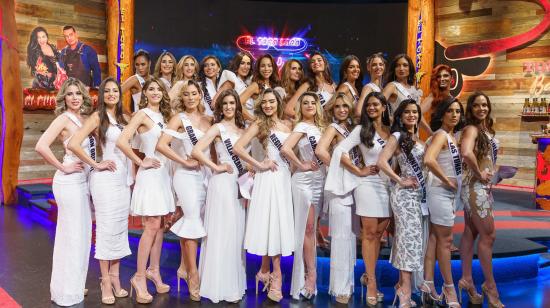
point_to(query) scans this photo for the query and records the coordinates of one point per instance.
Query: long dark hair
(236, 61)
(33, 49)
(202, 76)
(358, 84)
(102, 110)
(483, 144)
(257, 76)
(367, 124)
(218, 110)
(393, 65)
(437, 116)
(310, 75)
(406, 141)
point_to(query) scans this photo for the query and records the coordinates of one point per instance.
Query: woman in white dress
(351, 78)
(184, 130)
(370, 189)
(307, 192)
(265, 75)
(165, 69)
(134, 84)
(318, 80)
(342, 220)
(109, 185)
(270, 221)
(376, 66)
(401, 83)
(209, 73)
(186, 69)
(292, 74)
(152, 196)
(73, 232)
(442, 159)
(407, 196)
(237, 75)
(223, 279)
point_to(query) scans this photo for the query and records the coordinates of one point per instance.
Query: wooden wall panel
(459, 22)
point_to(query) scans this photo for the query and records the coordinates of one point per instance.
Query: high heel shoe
(404, 299)
(497, 304)
(428, 296)
(310, 289)
(264, 278)
(445, 296)
(396, 287)
(343, 299)
(371, 300)
(151, 274)
(121, 292)
(275, 285)
(142, 297)
(475, 298)
(181, 274)
(107, 300)
(194, 287)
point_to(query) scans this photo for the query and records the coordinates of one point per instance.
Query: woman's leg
(467, 248)
(372, 231)
(310, 250)
(151, 225)
(106, 286)
(444, 236)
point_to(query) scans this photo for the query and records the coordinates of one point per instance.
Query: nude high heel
(497, 304)
(474, 297)
(427, 294)
(107, 300)
(263, 278)
(142, 297)
(371, 300)
(159, 285)
(275, 285)
(181, 274)
(121, 292)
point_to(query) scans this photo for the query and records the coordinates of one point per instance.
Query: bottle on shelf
(535, 107)
(544, 107)
(526, 107)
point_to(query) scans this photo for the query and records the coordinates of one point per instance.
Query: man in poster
(80, 60)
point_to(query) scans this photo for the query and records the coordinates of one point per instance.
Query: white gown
(223, 278)
(73, 232)
(344, 226)
(270, 221)
(111, 196)
(239, 85)
(208, 96)
(190, 186)
(307, 190)
(152, 195)
(403, 94)
(136, 97)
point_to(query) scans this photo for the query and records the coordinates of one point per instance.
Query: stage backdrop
(88, 18)
(501, 48)
(222, 28)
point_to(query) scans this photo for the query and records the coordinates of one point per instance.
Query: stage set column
(11, 103)
(120, 42)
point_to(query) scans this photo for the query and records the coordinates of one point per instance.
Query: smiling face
(402, 68)
(73, 98)
(409, 117)
(375, 108)
(296, 72)
(444, 79)
(244, 67)
(153, 93)
(317, 64)
(111, 95)
(269, 104)
(452, 115)
(377, 68)
(480, 108)
(189, 68)
(191, 97)
(340, 110)
(142, 66)
(353, 70)
(229, 107)
(167, 65)
(308, 107)
(42, 38)
(211, 68)
(266, 68)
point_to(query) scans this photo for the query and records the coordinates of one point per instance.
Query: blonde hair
(179, 67)
(319, 117)
(332, 103)
(265, 123)
(86, 107)
(181, 106)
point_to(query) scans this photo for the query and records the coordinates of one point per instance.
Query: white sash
(229, 147)
(417, 169)
(313, 144)
(457, 167)
(129, 164)
(91, 139)
(278, 145)
(189, 129)
(494, 150)
(374, 87)
(402, 89)
(352, 91)
(152, 115)
(354, 154)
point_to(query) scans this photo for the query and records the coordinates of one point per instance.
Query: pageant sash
(278, 145)
(189, 129)
(354, 154)
(229, 147)
(417, 169)
(129, 164)
(494, 150)
(457, 166)
(91, 139)
(313, 144)
(374, 87)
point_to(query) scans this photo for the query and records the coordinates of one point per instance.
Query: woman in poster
(42, 58)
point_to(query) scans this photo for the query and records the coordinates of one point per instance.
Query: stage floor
(26, 243)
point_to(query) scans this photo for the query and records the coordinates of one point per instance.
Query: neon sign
(251, 43)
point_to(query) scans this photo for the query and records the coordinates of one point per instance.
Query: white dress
(325, 96)
(73, 232)
(307, 190)
(111, 196)
(152, 195)
(209, 90)
(223, 278)
(270, 221)
(353, 93)
(190, 185)
(239, 85)
(136, 97)
(403, 94)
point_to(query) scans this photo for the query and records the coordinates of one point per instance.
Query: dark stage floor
(26, 243)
